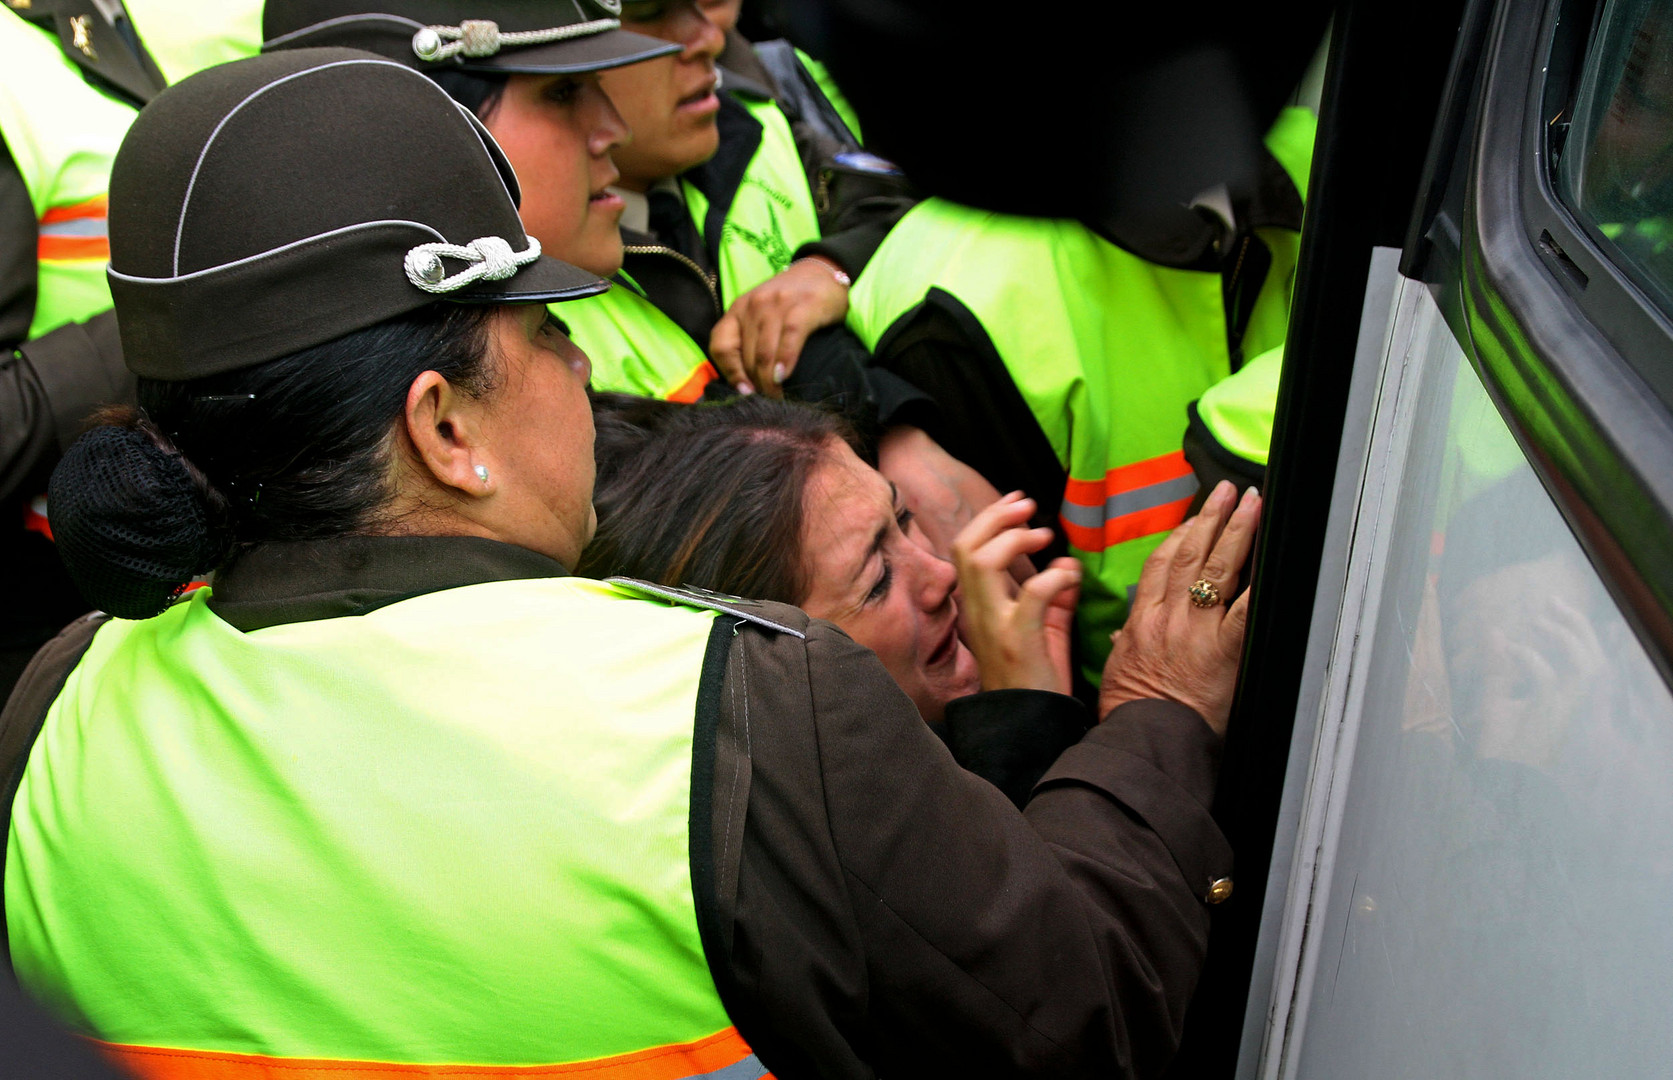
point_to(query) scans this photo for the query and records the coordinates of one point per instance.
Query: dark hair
(708, 494)
(478, 91)
(298, 448)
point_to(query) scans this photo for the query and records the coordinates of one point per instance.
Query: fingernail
(744, 389)
(778, 373)
(1225, 489)
(1249, 494)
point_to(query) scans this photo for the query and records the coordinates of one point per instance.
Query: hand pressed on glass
(1171, 647)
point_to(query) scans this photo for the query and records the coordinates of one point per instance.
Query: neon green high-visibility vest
(634, 347)
(1107, 349)
(186, 36)
(1238, 412)
(63, 135)
(772, 213)
(452, 830)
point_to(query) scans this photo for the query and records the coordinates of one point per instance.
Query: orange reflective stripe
(1140, 499)
(96, 207)
(693, 387)
(723, 1054)
(69, 233)
(71, 248)
(1139, 474)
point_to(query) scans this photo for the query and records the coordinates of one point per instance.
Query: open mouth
(947, 647)
(702, 97)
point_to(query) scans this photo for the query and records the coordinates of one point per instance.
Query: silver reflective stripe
(87, 226)
(1130, 502)
(750, 1068)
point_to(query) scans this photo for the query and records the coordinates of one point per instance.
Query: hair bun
(132, 520)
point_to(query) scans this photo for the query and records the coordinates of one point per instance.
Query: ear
(445, 428)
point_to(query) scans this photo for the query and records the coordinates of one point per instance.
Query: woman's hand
(1170, 648)
(1019, 634)
(757, 342)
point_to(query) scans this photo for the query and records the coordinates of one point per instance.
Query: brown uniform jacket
(867, 907)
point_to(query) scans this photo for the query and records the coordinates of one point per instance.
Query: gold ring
(1203, 593)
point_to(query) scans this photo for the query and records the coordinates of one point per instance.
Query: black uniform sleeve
(984, 421)
(1212, 462)
(48, 389)
(871, 908)
(1011, 737)
(19, 237)
(835, 369)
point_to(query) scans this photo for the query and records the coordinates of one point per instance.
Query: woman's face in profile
(557, 131)
(872, 574)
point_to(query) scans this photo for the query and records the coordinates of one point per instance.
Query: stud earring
(482, 473)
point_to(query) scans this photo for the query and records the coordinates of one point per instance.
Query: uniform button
(1219, 890)
(426, 44)
(431, 269)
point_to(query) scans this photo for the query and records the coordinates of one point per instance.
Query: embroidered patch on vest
(690, 596)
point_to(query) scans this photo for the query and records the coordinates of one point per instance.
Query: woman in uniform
(539, 89)
(397, 796)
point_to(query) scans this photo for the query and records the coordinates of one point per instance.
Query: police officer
(544, 99)
(725, 234)
(650, 335)
(74, 73)
(396, 792)
(1064, 364)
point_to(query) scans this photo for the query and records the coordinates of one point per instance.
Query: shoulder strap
(108, 51)
(25, 714)
(751, 611)
(801, 96)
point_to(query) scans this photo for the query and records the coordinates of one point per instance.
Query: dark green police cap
(509, 36)
(273, 204)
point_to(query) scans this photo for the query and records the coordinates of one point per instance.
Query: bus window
(1616, 170)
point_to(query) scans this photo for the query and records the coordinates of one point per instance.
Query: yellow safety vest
(357, 848)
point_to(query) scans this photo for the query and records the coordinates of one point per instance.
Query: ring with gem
(1203, 593)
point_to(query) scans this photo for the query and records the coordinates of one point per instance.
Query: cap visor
(546, 280)
(595, 52)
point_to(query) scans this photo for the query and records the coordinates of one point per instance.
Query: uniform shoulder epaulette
(748, 610)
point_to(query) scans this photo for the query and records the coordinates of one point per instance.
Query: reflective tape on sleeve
(1129, 502)
(80, 231)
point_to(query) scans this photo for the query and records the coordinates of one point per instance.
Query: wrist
(837, 273)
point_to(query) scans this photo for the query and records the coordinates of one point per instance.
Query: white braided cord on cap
(491, 259)
(482, 37)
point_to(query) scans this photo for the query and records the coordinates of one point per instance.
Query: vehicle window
(1616, 169)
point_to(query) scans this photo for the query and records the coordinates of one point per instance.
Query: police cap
(507, 36)
(273, 204)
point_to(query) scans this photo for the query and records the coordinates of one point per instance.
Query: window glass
(1616, 169)
(1495, 904)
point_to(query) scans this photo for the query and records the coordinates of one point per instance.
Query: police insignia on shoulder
(708, 600)
(81, 37)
